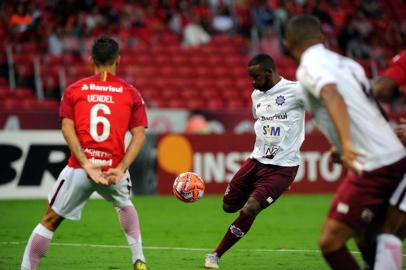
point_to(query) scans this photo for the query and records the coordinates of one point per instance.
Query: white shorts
(73, 189)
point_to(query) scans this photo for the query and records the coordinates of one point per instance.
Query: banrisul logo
(85, 87)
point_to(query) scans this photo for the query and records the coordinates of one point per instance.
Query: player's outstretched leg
(39, 240)
(236, 231)
(130, 223)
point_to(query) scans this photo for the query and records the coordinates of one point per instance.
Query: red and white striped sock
(36, 248)
(130, 223)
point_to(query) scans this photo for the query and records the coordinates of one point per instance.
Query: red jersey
(103, 111)
(397, 70)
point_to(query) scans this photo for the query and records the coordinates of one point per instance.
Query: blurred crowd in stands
(370, 31)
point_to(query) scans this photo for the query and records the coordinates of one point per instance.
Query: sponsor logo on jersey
(280, 100)
(101, 162)
(270, 151)
(273, 133)
(97, 153)
(278, 116)
(107, 88)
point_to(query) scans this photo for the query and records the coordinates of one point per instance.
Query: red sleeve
(138, 113)
(66, 107)
(397, 69)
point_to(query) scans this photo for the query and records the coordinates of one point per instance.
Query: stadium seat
(189, 93)
(215, 104)
(23, 93)
(206, 83)
(170, 93)
(176, 103)
(237, 104)
(5, 92)
(10, 104)
(210, 93)
(195, 103)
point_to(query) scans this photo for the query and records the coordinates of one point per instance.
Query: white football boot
(212, 261)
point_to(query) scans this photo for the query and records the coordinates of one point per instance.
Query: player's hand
(349, 158)
(401, 131)
(334, 156)
(114, 175)
(95, 173)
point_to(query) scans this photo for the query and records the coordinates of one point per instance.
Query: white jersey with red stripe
(371, 134)
(279, 125)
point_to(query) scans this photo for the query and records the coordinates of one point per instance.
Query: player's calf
(332, 245)
(36, 248)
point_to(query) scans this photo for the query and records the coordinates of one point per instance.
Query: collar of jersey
(311, 49)
(274, 88)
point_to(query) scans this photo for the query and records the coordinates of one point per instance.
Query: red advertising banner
(216, 158)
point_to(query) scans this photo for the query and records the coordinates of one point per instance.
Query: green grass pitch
(175, 235)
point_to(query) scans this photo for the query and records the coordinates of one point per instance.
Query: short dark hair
(264, 60)
(105, 50)
(303, 28)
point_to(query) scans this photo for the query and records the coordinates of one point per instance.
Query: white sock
(36, 247)
(130, 223)
(389, 254)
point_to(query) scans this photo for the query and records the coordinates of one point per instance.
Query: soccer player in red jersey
(393, 78)
(96, 113)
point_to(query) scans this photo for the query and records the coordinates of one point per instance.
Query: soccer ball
(188, 187)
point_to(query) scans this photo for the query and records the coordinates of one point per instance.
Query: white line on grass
(171, 248)
(168, 248)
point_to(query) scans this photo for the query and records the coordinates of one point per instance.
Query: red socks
(341, 260)
(237, 230)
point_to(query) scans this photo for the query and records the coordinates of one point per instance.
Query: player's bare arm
(136, 143)
(383, 88)
(337, 110)
(94, 172)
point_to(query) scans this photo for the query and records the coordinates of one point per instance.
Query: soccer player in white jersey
(339, 97)
(274, 162)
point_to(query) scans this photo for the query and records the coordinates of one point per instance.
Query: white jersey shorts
(73, 189)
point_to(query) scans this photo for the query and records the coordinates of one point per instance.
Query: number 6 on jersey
(96, 119)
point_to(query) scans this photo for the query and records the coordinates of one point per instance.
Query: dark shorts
(359, 200)
(263, 182)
